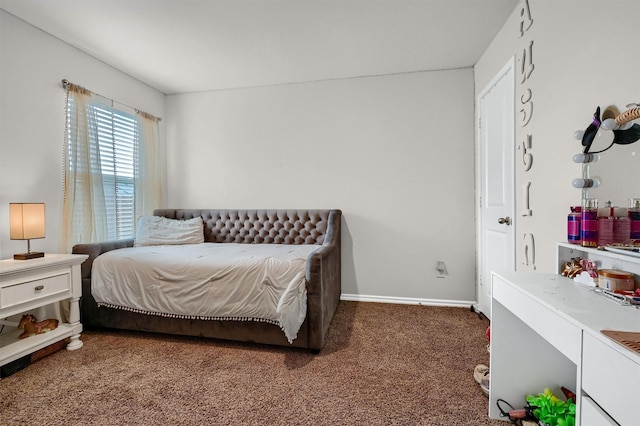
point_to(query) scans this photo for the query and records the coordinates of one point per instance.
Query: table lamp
(26, 222)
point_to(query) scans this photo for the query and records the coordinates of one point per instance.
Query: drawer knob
(39, 287)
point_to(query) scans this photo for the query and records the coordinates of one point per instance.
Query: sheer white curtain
(113, 169)
(149, 178)
(84, 210)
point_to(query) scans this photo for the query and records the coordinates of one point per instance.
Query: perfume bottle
(634, 217)
(573, 225)
(589, 223)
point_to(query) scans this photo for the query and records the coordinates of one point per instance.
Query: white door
(496, 161)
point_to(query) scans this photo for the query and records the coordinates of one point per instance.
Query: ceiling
(179, 46)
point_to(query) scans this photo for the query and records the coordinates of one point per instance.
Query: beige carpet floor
(383, 364)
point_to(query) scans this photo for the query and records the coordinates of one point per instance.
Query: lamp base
(27, 256)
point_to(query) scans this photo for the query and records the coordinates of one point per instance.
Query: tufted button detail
(260, 226)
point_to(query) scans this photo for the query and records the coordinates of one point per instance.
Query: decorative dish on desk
(627, 339)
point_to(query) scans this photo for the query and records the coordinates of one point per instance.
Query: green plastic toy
(552, 411)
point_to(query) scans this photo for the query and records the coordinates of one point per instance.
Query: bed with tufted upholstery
(289, 227)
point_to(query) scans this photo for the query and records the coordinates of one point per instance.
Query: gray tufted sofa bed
(323, 275)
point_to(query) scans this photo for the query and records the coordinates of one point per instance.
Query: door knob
(505, 220)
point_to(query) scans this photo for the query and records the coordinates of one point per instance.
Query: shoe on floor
(484, 384)
(481, 376)
(479, 372)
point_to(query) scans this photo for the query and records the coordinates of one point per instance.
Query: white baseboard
(407, 301)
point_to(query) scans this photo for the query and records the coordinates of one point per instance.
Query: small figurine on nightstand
(32, 327)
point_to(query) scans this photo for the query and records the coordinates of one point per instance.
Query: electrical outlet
(441, 269)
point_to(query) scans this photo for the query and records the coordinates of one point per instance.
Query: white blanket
(261, 282)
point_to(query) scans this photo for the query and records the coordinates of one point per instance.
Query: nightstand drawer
(30, 291)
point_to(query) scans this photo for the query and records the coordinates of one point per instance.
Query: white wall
(585, 55)
(32, 116)
(394, 153)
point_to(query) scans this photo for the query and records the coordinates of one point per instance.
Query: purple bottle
(589, 223)
(573, 225)
(634, 217)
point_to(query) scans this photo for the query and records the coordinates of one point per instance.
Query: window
(112, 172)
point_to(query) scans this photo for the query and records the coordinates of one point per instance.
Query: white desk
(545, 333)
(29, 284)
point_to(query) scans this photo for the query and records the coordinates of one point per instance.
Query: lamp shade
(26, 221)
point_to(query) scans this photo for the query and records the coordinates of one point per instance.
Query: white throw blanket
(261, 282)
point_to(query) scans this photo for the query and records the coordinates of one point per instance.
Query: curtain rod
(66, 83)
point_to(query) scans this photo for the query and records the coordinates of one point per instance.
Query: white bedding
(262, 282)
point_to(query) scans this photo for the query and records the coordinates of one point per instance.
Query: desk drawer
(37, 289)
(561, 333)
(592, 415)
(611, 379)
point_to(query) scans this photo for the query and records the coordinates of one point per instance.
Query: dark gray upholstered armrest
(96, 249)
(324, 285)
(88, 308)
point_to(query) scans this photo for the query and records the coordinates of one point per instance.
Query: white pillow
(156, 230)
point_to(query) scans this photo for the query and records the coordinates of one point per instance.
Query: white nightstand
(30, 284)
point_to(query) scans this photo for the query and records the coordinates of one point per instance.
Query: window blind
(117, 137)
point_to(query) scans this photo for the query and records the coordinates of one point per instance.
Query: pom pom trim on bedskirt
(192, 317)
